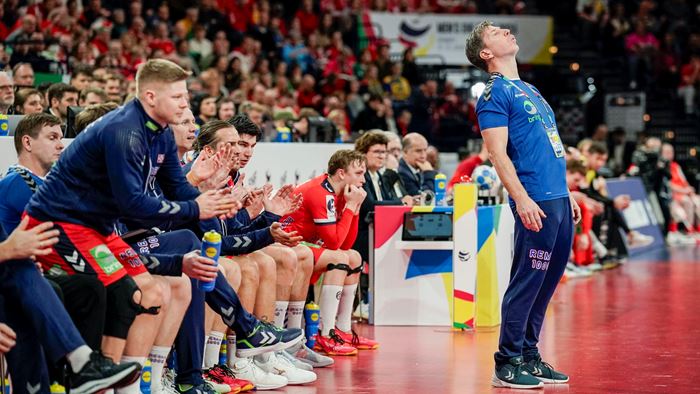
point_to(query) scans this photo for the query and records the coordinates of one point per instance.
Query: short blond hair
(475, 44)
(159, 70)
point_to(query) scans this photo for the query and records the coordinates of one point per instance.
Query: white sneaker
(309, 356)
(571, 271)
(595, 267)
(676, 238)
(246, 368)
(295, 361)
(281, 366)
(167, 382)
(638, 240)
(362, 311)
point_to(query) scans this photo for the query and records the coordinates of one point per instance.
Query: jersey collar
(326, 184)
(149, 123)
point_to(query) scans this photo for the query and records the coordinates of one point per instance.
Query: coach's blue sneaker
(267, 338)
(544, 372)
(515, 375)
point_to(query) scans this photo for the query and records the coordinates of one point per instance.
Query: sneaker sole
(121, 379)
(314, 364)
(245, 353)
(302, 381)
(334, 353)
(222, 387)
(552, 381)
(496, 382)
(263, 387)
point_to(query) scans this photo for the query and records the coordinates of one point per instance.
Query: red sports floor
(635, 329)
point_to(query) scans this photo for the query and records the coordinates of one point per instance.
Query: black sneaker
(544, 371)
(515, 375)
(204, 388)
(102, 373)
(267, 338)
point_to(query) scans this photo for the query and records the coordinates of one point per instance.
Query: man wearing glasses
(7, 93)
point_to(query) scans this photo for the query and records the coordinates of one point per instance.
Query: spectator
(383, 62)
(308, 19)
(90, 113)
(28, 101)
(23, 74)
(206, 109)
(373, 116)
(600, 134)
(655, 173)
(81, 77)
(92, 96)
(7, 93)
(621, 151)
(114, 88)
(200, 46)
(61, 96)
(225, 108)
(424, 109)
(417, 174)
(396, 85)
(410, 68)
(642, 48)
(615, 30)
(690, 80)
(300, 128)
(466, 167)
(294, 51)
(685, 206)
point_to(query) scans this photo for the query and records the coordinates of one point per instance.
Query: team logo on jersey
(330, 207)
(529, 107)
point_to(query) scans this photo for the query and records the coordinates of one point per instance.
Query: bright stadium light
(477, 89)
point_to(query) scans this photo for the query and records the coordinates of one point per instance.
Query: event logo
(414, 35)
(464, 256)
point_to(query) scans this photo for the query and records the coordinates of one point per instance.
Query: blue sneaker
(267, 338)
(203, 388)
(514, 375)
(544, 371)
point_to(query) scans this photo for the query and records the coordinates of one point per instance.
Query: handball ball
(486, 178)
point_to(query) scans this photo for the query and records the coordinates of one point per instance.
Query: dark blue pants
(189, 343)
(538, 263)
(33, 310)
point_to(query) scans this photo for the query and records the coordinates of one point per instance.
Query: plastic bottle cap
(212, 236)
(440, 176)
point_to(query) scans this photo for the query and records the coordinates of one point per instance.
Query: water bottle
(284, 134)
(146, 377)
(4, 126)
(440, 187)
(222, 352)
(211, 247)
(312, 315)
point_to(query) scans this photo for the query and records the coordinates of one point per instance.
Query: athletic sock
(344, 322)
(158, 356)
(79, 357)
(280, 312)
(212, 348)
(134, 388)
(230, 349)
(294, 314)
(330, 298)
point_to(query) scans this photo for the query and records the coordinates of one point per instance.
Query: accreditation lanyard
(539, 96)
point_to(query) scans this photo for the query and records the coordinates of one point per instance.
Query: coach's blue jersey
(534, 145)
(104, 173)
(16, 188)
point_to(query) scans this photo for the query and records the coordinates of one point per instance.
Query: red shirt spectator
(308, 20)
(467, 166)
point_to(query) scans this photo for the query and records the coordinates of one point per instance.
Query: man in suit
(417, 174)
(373, 144)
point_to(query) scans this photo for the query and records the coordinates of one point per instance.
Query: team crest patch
(330, 207)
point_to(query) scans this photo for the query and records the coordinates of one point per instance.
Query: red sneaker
(361, 343)
(333, 345)
(222, 374)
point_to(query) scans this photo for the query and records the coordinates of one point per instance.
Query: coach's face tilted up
(498, 42)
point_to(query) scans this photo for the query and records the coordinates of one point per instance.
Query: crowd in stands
(658, 40)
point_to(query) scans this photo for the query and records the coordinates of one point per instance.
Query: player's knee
(266, 266)
(181, 289)
(354, 258)
(249, 271)
(286, 260)
(306, 265)
(152, 291)
(233, 272)
(123, 304)
(190, 239)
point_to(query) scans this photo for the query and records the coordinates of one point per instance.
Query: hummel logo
(537, 371)
(77, 263)
(228, 316)
(166, 206)
(33, 389)
(267, 338)
(241, 242)
(509, 375)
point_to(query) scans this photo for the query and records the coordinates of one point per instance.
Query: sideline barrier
(457, 283)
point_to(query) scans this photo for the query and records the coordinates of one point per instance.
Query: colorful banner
(440, 38)
(464, 255)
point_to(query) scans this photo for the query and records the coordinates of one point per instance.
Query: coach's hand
(290, 239)
(198, 267)
(217, 203)
(27, 244)
(530, 214)
(7, 338)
